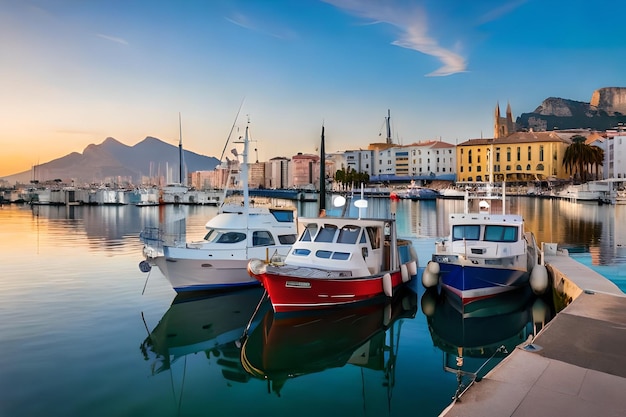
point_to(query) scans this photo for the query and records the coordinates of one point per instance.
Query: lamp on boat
(339, 201)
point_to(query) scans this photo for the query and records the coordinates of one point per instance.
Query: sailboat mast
(181, 175)
(322, 198)
(389, 141)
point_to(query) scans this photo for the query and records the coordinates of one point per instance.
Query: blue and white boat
(485, 254)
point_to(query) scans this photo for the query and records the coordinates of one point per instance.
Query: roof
(519, 137)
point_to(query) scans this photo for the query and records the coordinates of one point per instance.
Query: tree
(579, 155)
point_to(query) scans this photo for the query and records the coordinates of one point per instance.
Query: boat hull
(295, 293)
(200, 275)
(474, 283)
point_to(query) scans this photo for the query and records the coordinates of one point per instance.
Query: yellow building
(519, 157)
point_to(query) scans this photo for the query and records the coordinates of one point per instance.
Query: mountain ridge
(111, 159)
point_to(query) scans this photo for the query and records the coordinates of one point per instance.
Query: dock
(575, 366)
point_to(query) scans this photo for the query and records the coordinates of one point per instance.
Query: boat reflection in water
(284, 347)
(204, 322)
(474, 342)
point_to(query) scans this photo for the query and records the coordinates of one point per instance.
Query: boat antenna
(231, 129)
(322, 198)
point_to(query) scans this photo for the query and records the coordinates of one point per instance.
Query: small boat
(235, 235)
(337, 261)
(282, 348)
(485, 254)
(415, 193)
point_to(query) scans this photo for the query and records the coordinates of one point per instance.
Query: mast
(322, 198)
(388, 119)
(181, 178)
(244, 173)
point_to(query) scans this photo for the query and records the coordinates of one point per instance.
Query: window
(519, 153)
(324, 254)
(501, 233)
(529, 153)
(301, 252)
(211, 235)
(341, 256)
(467, 232)
(508, 154)
(349, 234)
(326, 233)
(287, 239)
(231, 237)
(374, 234)
(262, 238)
(283, 216)
(309, 231)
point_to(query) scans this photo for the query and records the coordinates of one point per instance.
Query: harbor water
(86, 333)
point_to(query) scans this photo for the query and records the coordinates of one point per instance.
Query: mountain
(606, 110)
(113, 159)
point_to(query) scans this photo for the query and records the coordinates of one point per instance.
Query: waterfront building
(519, 157)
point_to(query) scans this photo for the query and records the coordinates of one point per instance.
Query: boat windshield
(211, 235)
(309, 232)
(494, 233)
(231, 237)
(349, 234)
(326, 233)
(466, 231)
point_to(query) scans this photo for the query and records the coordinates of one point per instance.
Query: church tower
(503, 126)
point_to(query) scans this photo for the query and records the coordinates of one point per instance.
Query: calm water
(81, 337)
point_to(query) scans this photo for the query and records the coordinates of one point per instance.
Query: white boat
(414, 192)
(582, 192)
(485, 254)
(235, 235)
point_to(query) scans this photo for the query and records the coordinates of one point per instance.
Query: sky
(74, 72)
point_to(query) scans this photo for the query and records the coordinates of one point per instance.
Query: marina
(86, 332)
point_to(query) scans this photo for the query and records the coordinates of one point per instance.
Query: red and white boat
(337, 261)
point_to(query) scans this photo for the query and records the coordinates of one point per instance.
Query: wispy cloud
(412, 23)
(245, 22)
(113, 39)
(500, 11)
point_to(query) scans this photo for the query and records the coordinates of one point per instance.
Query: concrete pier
(575, 366)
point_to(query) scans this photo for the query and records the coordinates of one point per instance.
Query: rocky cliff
(606, 110)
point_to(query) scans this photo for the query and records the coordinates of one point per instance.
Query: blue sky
(75, 72)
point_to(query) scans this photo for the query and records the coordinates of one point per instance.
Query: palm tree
(580, 155)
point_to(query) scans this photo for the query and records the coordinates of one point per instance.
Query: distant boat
(485, 254)
(415, 192)
(235, 235)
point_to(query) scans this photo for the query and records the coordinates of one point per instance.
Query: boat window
(363, 240)
(326, 233)
(287, 239)
(262, 238)
(325, 254)
(301, 252)
(341, 256)
(467, 232)
(231, 237)
(309, 231)
(211, 235)
(349, 234)
(374, 235)
(495, 233)
(283, 216)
